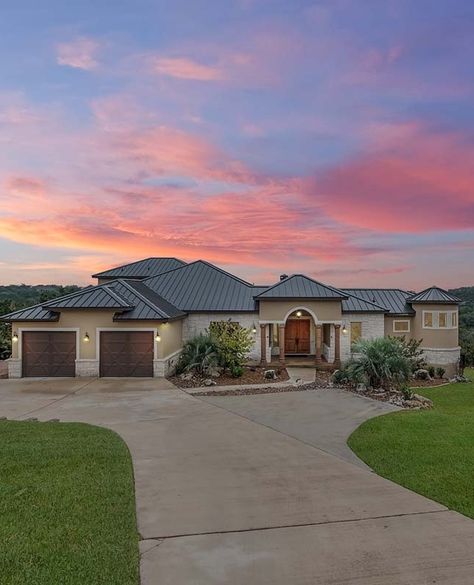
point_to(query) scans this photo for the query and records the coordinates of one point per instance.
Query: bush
(431, 371)
(237, 371)
(198, 355)
(232, 341)
(440, 372)
(382, 363)
(412, 351)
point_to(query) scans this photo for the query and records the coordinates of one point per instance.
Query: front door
(297, 337)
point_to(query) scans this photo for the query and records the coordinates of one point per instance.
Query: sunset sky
(334, 138)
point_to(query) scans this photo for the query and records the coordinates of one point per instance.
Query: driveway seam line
(283, 526)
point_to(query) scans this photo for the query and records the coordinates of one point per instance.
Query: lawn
(67, 506)
(430, 452)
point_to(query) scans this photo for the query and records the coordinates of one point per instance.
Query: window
(401, 326)
(427, 319)
(356, 331)
(440, 319)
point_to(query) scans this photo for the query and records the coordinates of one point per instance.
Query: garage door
(126, 354)
(49, 354)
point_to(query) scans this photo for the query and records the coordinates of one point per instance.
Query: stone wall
(373, 326)
(445, 358)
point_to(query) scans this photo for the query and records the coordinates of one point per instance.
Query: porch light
(298, 314)
(344, 329)
(86, 338)
(254, 328)
(15, 337)
(157, 336)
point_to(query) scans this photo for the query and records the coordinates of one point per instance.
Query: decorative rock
(3, 418)
(187, 376)
(269, 375)
(53, 420)
(209, 382)
(460, 379)
(214, 372)
(32, 419)
(422, 374)
(361, 388)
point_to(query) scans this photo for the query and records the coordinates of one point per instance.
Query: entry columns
(282, 344)
(337, 346)
(263, 345)
(319, 329)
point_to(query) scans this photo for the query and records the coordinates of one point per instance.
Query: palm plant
(198, 355)
(381, 363)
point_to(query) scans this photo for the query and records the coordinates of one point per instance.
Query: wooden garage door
(49, 354)
(126, 354)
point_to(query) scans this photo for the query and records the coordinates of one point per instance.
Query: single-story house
(135, 321)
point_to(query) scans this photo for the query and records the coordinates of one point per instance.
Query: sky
(332, 138)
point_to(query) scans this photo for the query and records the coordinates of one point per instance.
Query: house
(135, 321)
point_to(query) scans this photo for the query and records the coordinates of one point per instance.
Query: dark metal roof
(300, 286)
(147, 305)
(93, 297)
(34, 313)
(434, 294)
(142, 268)
(394, 300)
(355, 304)
(202, 287)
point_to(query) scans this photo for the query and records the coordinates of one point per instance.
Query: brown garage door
(49, 354)
(126, 354)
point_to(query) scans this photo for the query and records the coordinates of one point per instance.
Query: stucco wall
(277, 311)
(389, 326)
(434, 338)
(196, 323)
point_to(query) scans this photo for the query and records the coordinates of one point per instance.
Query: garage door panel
(126, 354)
(49, 354)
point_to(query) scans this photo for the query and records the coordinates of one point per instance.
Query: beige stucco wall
(434, 338)
(389, 327)
(89, 321)
(276, 311)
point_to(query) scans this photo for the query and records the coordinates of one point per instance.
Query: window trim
(435, 320)
(407, 330)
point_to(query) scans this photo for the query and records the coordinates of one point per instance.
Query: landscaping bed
(67, 506)
(250, 375)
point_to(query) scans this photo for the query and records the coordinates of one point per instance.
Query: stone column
(263, 345)
(319, 331)
(337, 345)
(282, 344)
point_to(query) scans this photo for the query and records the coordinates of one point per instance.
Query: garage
(48, 354)
(126, 354)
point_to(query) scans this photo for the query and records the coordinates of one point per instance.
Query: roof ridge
(116, 295)
(97, 274)
(143, 298)
(369, 302)
(281, 282)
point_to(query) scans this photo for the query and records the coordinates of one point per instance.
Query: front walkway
(224, 500)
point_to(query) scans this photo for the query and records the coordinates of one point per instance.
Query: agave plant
(198, 355)
(381, 363)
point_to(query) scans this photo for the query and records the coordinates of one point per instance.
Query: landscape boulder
(270, 375)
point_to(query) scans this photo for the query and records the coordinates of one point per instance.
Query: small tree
(233, 344)
(412, 350)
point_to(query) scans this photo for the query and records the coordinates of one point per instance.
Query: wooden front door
(297, 337)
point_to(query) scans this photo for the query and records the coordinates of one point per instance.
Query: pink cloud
(80, 53)
(185, 68)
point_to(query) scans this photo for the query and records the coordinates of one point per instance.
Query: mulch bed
(251, 375)
(252, 391)
(427, 383)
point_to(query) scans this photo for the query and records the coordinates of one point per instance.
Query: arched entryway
(299, 334)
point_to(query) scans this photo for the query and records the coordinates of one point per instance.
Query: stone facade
(373, 326)
(446, 358)
(87, 368)
(196, 323)
(14, 368)
(165, 366)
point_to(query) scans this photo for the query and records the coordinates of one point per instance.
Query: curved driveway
(240, 498)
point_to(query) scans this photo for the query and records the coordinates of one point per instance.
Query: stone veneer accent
(196, 323)
(14, 368)
(446, 358)
(373, 326)
(166, 366)
(87, 368)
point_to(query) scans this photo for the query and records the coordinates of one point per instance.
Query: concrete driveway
(223, 499)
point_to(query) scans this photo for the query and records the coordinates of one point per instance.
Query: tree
(233, 344)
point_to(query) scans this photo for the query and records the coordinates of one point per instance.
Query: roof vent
(283, 277)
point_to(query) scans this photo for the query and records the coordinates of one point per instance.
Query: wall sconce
(298, 314)
(344, 329)
(254, 328)
(86, 338)
(157, 336)
(15, 337)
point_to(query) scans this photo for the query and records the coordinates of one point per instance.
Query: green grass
(430, 452)
(67, 506)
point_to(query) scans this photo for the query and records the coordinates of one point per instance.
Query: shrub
(440, 372)
(382, 363)
(232, 341)
(198, 355)
(237, 371)
(412, 351)
(407, 392)
(431, 371)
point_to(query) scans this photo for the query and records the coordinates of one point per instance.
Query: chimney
(283, 277)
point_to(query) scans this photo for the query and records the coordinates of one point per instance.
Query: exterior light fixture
(86, 338)
(254, 328)
(344, 329)
(298, 314)
(15, 337)
(157, 336)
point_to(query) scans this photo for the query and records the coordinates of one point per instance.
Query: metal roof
(202, 287)
(93, 297)
(434, 294)
(142, 268)
(300, 286)
(355, 304)
(147, 305)
(394, 300)
(34, 313)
